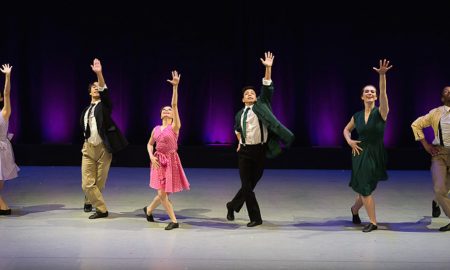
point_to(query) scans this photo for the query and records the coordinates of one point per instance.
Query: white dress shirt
(95, 138)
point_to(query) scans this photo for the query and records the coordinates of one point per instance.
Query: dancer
(102, 139)
(259, 133)
(8, 165)
(439, 150)
(166, 173)
(369, 154)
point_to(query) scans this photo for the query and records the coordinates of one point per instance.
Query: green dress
(369, 166)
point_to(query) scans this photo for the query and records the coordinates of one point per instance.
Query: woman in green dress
(369, 155)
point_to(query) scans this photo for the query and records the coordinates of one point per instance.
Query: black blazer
(112, 137)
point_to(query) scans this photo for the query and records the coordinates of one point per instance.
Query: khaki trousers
(95, 164)
(440, 172)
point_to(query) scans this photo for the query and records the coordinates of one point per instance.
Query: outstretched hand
(175, 78)
(6, 68)
(384, 67)
(268, 59)
(96, 66)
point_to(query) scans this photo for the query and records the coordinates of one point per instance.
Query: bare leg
(152, 206)
(357, 205)
(369, 204)
(3, 204)
(167, 205)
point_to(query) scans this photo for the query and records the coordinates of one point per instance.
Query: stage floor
(306, 213)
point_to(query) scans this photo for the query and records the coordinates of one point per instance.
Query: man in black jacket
(102, 139)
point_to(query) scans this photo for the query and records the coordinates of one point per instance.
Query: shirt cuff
(266, 82)
(100, 89)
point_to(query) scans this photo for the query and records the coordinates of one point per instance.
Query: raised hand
(6, 68)
(384, 67)
(268, 59)
(175, 78)
(96, 66)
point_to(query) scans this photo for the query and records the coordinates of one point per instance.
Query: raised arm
(97, 68)
(6, 111)
(384, 104)
(268, 62)
(176, 123)
(348, 137)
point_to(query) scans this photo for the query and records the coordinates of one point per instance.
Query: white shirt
(445, 126)
(95, 138)
(253, 130)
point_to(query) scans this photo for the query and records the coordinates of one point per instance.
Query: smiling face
(249, 96)
(93, 91)
(166, 112)
(369, 94)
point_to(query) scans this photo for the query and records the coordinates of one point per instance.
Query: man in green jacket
(259, 134)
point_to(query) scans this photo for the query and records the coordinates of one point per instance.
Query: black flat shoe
(149, 217)
(171, 226)
(370, 227)
(355, 218)
(87, 208)
(6, 212)
(435, 209)
(230, 213)
(254, 223)
(445, 228)
(98, 215)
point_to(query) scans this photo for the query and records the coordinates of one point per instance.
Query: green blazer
(278, 133)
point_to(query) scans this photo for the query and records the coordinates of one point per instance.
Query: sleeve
(420, 123)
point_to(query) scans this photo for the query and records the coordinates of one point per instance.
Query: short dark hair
(89, 87)
(245, 88)
(443, 89)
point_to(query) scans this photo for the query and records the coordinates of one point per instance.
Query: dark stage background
(324, 54)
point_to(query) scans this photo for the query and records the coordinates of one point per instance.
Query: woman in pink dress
(8, 167)
(166, 173)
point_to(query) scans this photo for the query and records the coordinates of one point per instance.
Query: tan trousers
(440, 172)
(95, 164)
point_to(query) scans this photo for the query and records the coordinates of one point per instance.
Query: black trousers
(251, 160)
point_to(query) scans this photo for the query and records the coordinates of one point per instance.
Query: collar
(446, 108)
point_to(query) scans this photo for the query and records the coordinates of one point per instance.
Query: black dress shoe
(98, 215)
(435, 209)
(370, 227)
(6, 212)
(355, 218)
(254, 223)
(171, 226)
(230, 213)
(445, 228)
(149, 217)
(87, 207)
